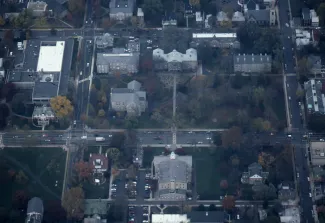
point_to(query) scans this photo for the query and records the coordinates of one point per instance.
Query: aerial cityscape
(162, 111)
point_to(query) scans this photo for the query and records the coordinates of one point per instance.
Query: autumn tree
(224, 184)
(228, 202)
(261, 125)
(76, 6)
(234, 160)
(73, 203)
(61, 106)
(101, 113)
(20, 199)
(83, 170)
(232, 137)
(113, 154)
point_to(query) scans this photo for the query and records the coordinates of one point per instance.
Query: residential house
(309, 17)
(199, 18)
(262, 17)
(133, 46)
(286, 191)
(314, 18)
(57, 8)
(208, 22)
(254, 175)
(175, 61)
(222, 18)
(105, 41)
(238, 18)
(38, 8)
(131, 99)
(35, 210)
(209, 217)
(99, 165)
(174, 175)
(315, 99)
(121, 9)
(314, 63)
(118, 61)
(303, 38)
(252, 63)
(140, 15)
(218, 40)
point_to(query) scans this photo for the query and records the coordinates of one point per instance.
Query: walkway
(35, 178)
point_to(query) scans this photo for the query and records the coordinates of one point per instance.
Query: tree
(205, 54)
(24, 19)
(153, 10)
(321, 13)
(261, 125)
(235, 161)
(264, 192)
(232, 137)
(228, 202)
(20, 199)
(304, 67)
(54, 212)
(61, 106)
(101, 113)
(224, 184)
(76, 6)
(83, 170)
(9, 37)
(175, 39)
(212, 207)
(2, 21)
(73, 203)
(41, 21)
(134, 21)
(131, 172)
(201, 207)
(21, 177)
(113, 154)
(194, 2)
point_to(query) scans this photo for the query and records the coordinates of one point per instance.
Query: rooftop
(317, 153)
(190, 55)
(214, 35)
(124, 6)
(208, 216)
(169, 218)
(98, 162)
(50, 56)
(315, 100)
(37, 6)
(252, 59)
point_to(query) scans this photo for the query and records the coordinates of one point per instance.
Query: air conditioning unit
(322, 154)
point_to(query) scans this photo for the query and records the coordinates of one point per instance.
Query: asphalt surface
(294, 110)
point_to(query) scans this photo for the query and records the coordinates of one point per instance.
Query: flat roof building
(221, 40)
(43, 66)
(317, 153)
(315, 99)
(38, 8)
(50, 56)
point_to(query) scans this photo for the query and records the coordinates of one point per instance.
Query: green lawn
(44, 168)
(96, 191)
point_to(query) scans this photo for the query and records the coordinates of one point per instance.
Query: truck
(100, 139)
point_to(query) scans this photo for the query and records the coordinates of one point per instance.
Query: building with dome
(174, 175)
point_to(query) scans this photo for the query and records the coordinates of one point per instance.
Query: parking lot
(138, 214)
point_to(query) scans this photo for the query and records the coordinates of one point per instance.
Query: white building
(38, 8)
(50, 57)
(169, 218)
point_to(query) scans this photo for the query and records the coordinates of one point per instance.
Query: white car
(83, 137)
(310, 195)
(322, 140)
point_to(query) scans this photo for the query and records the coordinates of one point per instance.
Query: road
(294, 111)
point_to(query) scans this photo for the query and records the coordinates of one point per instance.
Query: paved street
(294, 111)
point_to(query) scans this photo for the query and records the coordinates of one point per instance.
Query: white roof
(214, 35)
(169, 218)
(50, 57)
(198, 17)
(190, 55)
(256, 177)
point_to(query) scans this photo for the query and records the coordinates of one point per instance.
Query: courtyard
(31, 172)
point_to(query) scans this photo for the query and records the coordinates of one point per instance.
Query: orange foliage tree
(83, 170)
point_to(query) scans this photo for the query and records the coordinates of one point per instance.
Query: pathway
(35, 178)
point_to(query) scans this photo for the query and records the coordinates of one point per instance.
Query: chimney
(257, 7)
(206, 213)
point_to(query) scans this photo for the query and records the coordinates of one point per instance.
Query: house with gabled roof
(131, 99)
(263, 17)
(254, 175)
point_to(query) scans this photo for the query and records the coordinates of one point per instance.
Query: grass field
(44, 168)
